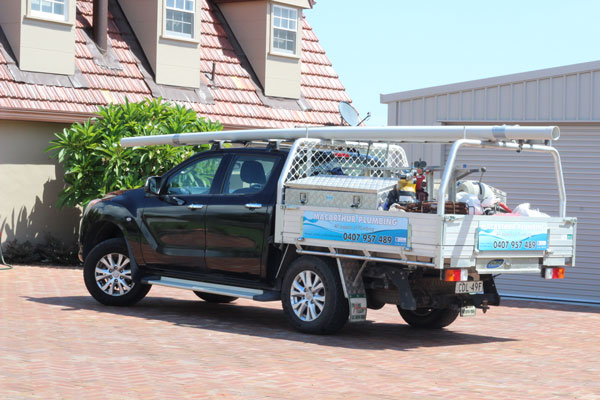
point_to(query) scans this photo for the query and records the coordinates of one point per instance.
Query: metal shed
(567, 96)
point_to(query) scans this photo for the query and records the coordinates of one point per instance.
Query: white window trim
(275, 51)
(175, 35)
(35, 14)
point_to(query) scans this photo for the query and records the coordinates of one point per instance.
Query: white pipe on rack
(407, 134)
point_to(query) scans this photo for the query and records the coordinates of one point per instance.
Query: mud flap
(136, 274)
(354, 291)
(400, 279)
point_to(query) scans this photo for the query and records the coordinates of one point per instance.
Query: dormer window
(50, 9)
(180, 18)
(270, 32)
(285, 30)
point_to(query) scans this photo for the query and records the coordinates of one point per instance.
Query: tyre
(429, 318)
(372, 303)
(312, 296)
(215, 298)
(107, 275)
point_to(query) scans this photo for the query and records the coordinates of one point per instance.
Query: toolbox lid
(344, 183)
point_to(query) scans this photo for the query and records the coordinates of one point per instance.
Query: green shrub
(94, 161)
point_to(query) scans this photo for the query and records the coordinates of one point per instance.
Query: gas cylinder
(406, 191)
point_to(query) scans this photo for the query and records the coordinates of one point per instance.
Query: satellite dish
(348, 113)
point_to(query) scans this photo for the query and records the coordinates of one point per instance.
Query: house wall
(40, 45)
(29, 185)
(178, 60)
(142, 15)
(175, 61)
(251, 24)
(48, 46)
(10, 20)
(565, 96)
(283, 72)
(248, 20)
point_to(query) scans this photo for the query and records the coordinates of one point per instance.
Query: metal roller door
(529, 178)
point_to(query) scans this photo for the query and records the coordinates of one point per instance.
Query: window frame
(169, 34)
(191, 162)
(50, 16)
(281, 52)
(229, 172)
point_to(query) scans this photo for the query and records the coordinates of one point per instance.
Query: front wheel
(313, 298)
(429, 318)
(107, 275)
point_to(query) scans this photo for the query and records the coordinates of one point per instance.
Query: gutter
(67, 117)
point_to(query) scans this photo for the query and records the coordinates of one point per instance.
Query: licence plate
(469, 287)
(468, 311)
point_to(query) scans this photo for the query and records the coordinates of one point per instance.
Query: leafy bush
(96, 164)
(51, 251)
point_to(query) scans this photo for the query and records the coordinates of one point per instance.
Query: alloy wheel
(113, 274)
(307, 296)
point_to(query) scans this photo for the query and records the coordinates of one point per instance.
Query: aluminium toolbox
(339, 191)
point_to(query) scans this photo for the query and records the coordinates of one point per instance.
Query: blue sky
(387, 46)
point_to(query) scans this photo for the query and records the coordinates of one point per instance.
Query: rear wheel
(107, 275)
(215, 298)
(429, 318)
(313, 297)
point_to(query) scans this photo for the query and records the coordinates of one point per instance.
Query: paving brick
(56, 342)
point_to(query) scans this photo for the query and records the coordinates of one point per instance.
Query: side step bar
(214, 288)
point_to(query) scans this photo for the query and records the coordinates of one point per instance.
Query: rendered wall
(40, 45)
(283, 71)
(47, 46)
(175, 61)
(142, 15)
(251, 24)
(178, 59)
(248, 20)
(10, 21)
(29, 185)
(295, 3)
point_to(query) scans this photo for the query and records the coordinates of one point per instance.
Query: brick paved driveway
(57, 342)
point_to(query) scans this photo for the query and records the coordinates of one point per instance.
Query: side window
(249, 174)
(285, 29)
(196, 178)
(52, 9)
(180, 18)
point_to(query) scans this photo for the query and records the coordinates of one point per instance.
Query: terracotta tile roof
(236, 99)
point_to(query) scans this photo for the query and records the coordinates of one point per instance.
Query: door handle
(195, 206)
(253, 206)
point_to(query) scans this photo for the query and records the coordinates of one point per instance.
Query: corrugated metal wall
(566, 96)
(559, 95)
(529, 178)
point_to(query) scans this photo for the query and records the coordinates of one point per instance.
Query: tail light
(554, 273)
(456, 275)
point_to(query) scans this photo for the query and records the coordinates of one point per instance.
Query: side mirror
(152, 185)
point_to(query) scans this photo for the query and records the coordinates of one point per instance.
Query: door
(174, 221)
(237, 220)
